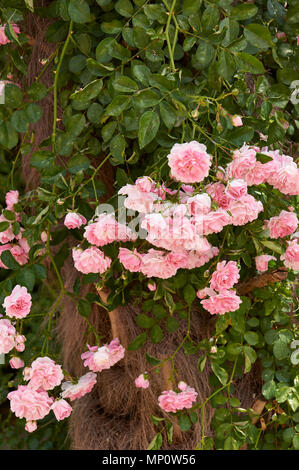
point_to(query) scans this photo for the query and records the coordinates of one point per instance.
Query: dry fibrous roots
(116, 414)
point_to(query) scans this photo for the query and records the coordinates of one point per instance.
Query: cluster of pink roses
(10, 338)
(171, 401)
(104, 357)
(222, 298)
(20, 248)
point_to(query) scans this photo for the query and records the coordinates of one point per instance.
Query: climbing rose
(237, 120)
(91, 260)
(138, 199)
(18, 303)
(225, 276)
(282, 225)
(20, 340)
(262, 261)
(225, 301)
(107, 230)
(152, 286)
(104, 357)
(141, 381)
(218, 193)
(189, 162)
(11, 198)
(31, 426)
(203, 293)
(74, 220)
(16, 363)
(291, 256)
(61, 409)
(44, 374)
(244, 210)
(30, 404)
(3, 38)
(6, 235)
(7, 336)
(236, 188)
(171, 401)
(73, 391)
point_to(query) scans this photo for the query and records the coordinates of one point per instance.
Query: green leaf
(125, 84)
(172, 324)
(251, 337)
(9, 261)
(274, 246)
(124, 8)
(258, 35)
(152, 360)
(144, 321)
(184, 422)
(156, 443)
(117, 148)
(26, 278)
(269, 389)
(226, 65)
(117, 105)
(33, 112)
(244, 11)
(249, 63)
(204, 54)
(262, 157)
(78, 163)
(281, 350)
(156, 334)
(20, 121)
(189, 294)
(84, 308)
(220, 373)
(79, 11)
(138, 342)
(75, 124)
(168, 114)
(4, 226)
(89, 92)
(240, 135)
(148, 127)
(201, 363)
(42, 159)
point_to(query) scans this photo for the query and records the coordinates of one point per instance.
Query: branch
(262, 280)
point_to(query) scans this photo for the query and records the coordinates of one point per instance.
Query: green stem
(55, 88)
(170, 47)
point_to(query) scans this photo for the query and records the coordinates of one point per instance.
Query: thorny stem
(170, 47)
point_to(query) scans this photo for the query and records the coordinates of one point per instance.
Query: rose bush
(192, 105)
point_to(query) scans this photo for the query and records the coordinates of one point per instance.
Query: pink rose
(137, 199)
(61, 409)
(214, 221)
(91, 260)
(282, 225)
(203, 293)
(218, 193)
(236, 188)
(107, 230)
(190, 162)
(18, 303)
(74, 391)
(104, 357)
(131, 260)
(11, 198)
(20, 340)
(154, 264)
(262, 261)
(199, 204)
(171, 401)
(7, 235)
(141, 381)
(244, 210)
(152, 286)
(291, 256)
(16, 363)
(30, 404)
(31, 426)
(237, 120)
(74, 220)
(225, 301)
(7, 336)
(44, 373)
(225, 276)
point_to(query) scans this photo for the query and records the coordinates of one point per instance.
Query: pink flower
(281, 35)
(145, 184)
(237, 120)
(61, 409)
(141, 381)
(91, 260)
(11, 198)
(131, 260)
(16, 363)
(74, 220)
(152, 286)
(73, 391)
(225, 276)
(31, 426)
(171, 401)
(244, 210)
(19, 254)
(243, 162)
(139, 200)
(18, 303)
(30, 404)
(107, 230)
(7, 336)
(262, 261)
(7, 235)
(20, 340)
(190, 162)
(44, 374)
(218, 193)
(154, 264)
(282, 225)
(291, 256)
(104, 357)
(203, 293)
(236, 188)
(225, 301)
(214, 221)
(3, 38)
